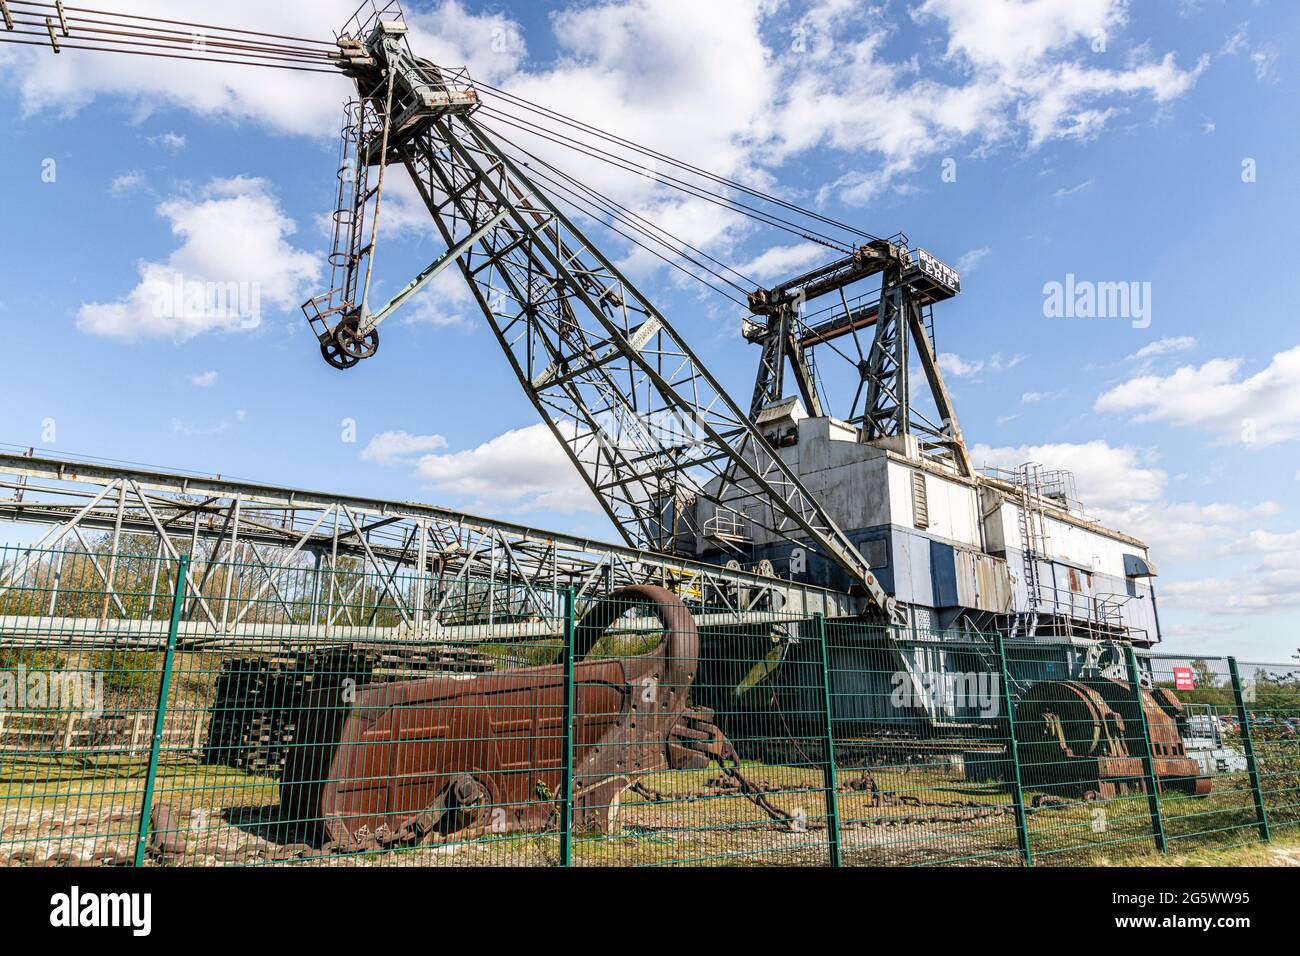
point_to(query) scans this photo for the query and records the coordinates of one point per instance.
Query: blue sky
(1148, 142)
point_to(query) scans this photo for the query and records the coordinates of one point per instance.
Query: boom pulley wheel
(353, 342)
(345, 345)
(336, 357)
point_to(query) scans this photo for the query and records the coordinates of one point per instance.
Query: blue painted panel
(943, 574)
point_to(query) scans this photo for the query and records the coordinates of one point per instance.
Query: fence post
(1248, 745)
(1013, 748)
(828, 749)
(160, 714)
(1148, 765)
(566, 756)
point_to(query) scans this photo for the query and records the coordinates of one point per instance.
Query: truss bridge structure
(425, 560)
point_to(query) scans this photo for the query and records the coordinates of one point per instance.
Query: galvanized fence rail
(182, 709)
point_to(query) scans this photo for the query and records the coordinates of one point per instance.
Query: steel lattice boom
(640, 416)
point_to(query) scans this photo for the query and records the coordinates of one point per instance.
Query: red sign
(1183, 679)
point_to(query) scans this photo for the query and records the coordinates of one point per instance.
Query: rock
(165, 835)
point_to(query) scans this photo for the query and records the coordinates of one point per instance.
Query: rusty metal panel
(983, 582)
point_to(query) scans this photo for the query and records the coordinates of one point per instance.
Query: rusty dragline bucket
(1083, 739)
(408, 761)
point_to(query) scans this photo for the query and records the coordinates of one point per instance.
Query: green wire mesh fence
(169, 709)
(1271, 695)
(921, 746)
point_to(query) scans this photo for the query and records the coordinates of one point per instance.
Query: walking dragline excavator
(877, 501)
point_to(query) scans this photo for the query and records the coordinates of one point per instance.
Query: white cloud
(522, 470)
(783, 262)
(1239, 42)
(1263, 57)
(234, 259)
(446, 302)
(950, 363)
(1108, 478)
(204, 379)
(1056, 107)
(127, 183)
(284, 101)
(1015, 35)
(1262, 409)
(180, 426)
(1071, 190)
(1265, 62)
(1031, 398)
(1024, 70)
(1270, 585)
(971, 260)
(602, 64)
(1188, 531)
(172, 142)
(1123, 488)
(1028, 72)
(1180, 343)
(1259, 591)
(1000, 363)
(307, 103)
(1273, 543)
(392, 448)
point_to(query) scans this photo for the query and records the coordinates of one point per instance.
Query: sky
(1044, 147)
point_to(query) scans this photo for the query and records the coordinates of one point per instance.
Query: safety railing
(159, 710)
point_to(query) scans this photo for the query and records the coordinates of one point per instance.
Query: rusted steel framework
(268, 529)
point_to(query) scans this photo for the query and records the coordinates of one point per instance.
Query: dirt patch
(1285, 855)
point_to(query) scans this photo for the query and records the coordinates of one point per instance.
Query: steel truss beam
(424, 559)
(889, 411)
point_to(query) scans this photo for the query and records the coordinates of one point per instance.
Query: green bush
(31, 658)
(128, 672)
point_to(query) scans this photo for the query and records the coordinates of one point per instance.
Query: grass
(917, 814)
(1283, 851)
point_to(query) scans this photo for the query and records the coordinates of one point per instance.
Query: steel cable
(769, 219)
(5, 37)
(331, 44)
(168, 39)
(655, 154)
(645, 226)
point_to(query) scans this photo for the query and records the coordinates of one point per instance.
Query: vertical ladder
(927, 317)
(349, 220)
(1033, 544)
